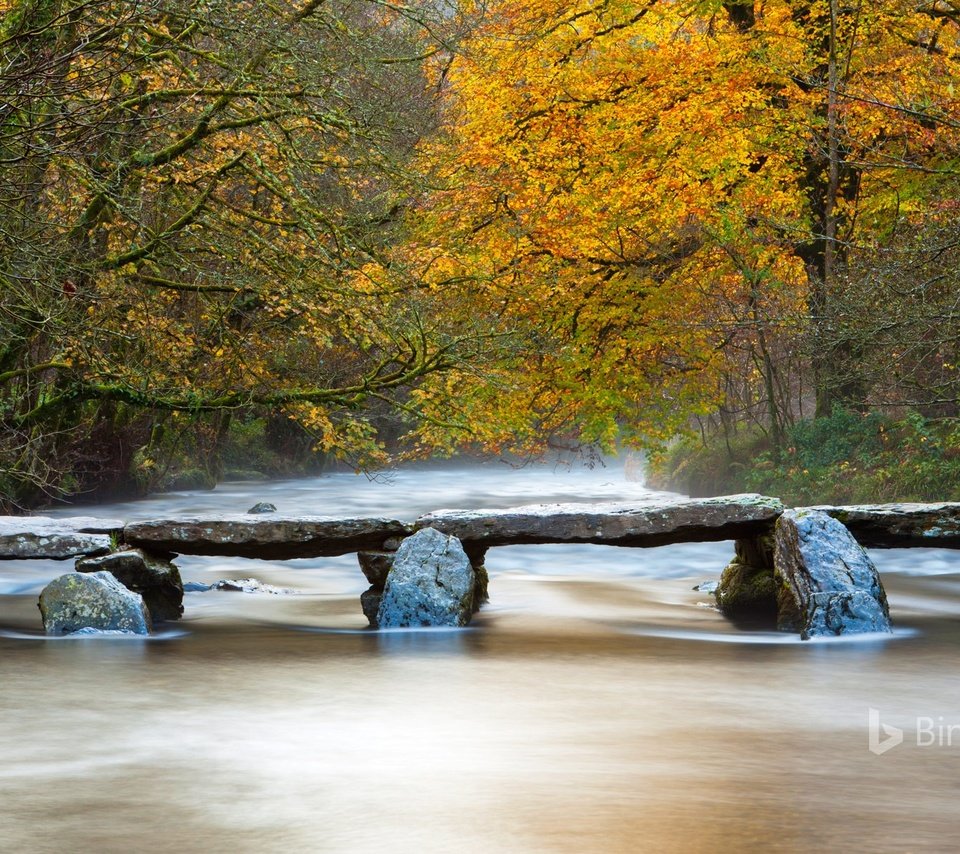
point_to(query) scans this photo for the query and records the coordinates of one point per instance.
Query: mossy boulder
(95, 600)
(748, 593)
(748, 589)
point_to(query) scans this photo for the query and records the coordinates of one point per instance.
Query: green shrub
(843, 436)
(847, 458)
(245, 447)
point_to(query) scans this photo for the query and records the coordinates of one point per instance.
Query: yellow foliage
(634, 186)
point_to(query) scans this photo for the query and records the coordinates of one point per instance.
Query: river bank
(848, 458)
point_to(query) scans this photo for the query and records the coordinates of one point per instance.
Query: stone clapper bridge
(802, 569)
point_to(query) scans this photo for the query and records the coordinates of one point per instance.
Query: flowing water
(598, 704)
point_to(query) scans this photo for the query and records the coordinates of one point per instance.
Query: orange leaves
(636, 179)
(221, 184)
(615, 191)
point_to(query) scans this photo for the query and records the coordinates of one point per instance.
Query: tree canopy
(189, 195)
(493, 224)
(670, 194)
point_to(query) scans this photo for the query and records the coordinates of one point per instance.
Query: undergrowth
(847, 458)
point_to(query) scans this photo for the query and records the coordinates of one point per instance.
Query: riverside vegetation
(241, 237)
(846, 458)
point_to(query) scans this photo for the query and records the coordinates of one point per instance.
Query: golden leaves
(633, 180)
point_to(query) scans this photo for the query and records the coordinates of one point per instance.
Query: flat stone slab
(279, 537)
(614, 524)
(268, 537)
(45, 538)
(900, 525)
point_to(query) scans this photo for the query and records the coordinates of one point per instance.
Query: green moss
(191, 478)
(789, 617)
(481, 586)
(748, 592)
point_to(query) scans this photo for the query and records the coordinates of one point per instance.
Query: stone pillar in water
(430, 583)
(748, 590)
(810, 576)
(828, 584)
(157, 580)
(377, 565)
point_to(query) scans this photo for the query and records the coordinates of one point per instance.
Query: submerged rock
(99, 633)
(263, 507)
(829, 585)
(156, 580)
(250, 585)
(431, 583)
(95, 600)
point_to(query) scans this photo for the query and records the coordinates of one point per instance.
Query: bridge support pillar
(748, 588)
(376, 566)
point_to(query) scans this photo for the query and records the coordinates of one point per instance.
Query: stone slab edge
(903, 525)
(622, 524)
(272, 537)
(47, 538)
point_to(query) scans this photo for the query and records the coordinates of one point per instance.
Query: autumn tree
(899, 307)
(622, 214)
(189, 196)
(665, 195)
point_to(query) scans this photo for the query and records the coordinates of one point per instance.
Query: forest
(245, 238)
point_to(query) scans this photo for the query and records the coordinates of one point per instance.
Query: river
(597, 704)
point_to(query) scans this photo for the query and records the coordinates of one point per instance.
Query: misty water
(599, 703)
